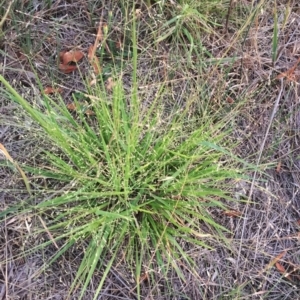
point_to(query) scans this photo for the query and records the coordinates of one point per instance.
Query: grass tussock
(132, 181)
(136, 188)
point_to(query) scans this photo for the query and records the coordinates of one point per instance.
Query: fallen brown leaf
(282, 270)
(72, 106)
(51, 90)
(67, 68)
(289, 74)
(280, 267)
(275, 260)
(71, 56)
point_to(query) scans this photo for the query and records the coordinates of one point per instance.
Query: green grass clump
(131, 180)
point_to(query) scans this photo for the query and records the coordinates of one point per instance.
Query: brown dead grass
(269, 222)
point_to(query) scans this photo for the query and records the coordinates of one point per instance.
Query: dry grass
(269, 222)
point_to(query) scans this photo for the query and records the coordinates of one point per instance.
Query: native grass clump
(130, 182)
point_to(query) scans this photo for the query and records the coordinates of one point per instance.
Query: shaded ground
(270, 217)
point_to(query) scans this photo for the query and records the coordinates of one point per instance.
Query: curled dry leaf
(70, 56)
(67, 68)
(275, 260)
(51, 90)
(71, 106)
(282, 270)
(67, 57)
(280, 267)
(289, 74)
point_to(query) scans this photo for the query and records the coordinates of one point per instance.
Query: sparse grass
(133, 196)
